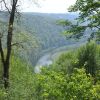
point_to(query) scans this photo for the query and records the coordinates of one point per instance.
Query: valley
(51, 56)
(41, 34)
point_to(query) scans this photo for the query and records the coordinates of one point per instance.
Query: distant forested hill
(43, 28)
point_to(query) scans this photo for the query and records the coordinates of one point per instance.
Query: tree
(87, 58)
(6, 60)
(89, 18)
(6, 54)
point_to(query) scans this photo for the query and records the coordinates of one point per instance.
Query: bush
(66, 62)
(88, 58)
(52, 85)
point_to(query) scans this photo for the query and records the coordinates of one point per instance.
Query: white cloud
(47, 6)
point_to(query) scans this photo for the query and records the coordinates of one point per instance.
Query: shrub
(87, 58)
(66, 62)
(52, 85)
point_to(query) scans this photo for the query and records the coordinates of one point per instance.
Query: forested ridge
(39, 28)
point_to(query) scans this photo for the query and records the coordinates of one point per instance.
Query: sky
(46, 6)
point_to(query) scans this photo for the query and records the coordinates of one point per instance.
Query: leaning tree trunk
(9, 41)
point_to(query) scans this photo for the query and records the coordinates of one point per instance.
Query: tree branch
(6, 6)
(17, 44)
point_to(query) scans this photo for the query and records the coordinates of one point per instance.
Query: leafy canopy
(89, 17)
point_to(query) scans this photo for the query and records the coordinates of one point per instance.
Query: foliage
(89, 11)
(87, 58)
(60, 81)
(64, 22)
(21, 81)
(34, 31)
(65, 63)
(89, 18)
(52, 85)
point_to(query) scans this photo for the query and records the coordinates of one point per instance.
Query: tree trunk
(9, 41)
(6, 75)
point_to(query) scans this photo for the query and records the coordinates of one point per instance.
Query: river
(49, 57)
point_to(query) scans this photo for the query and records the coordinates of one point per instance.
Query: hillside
(43, 29)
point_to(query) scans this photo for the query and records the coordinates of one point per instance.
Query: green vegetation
(21, 81)
(52, 85)
(75, 75)
(34, 32)
(87, 57)
(67, 78)
(88, 19)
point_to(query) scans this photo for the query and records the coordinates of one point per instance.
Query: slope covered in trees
(39, 28)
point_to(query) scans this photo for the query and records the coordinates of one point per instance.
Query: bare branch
(17, 14)
(6, 6)
(15, 2)
(16, 44)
